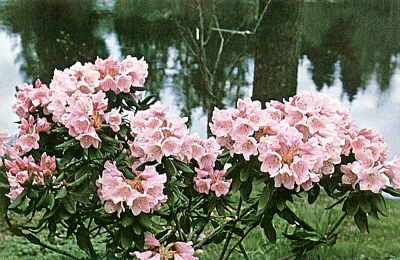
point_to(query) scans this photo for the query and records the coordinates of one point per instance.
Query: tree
(277, 51)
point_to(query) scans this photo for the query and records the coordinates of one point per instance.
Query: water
(374, 100)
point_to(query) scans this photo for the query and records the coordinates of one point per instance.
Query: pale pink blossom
(392, 171)
(89, 138)
(22, 169)
(114, 119)
(246, 146)
(143, 194)
(177, 250)
(211, 179)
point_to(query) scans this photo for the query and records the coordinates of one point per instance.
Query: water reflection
(350, 49)
(363, 36)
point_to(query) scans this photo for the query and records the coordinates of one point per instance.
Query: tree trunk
(277, 51)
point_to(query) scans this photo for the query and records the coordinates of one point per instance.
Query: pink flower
(183, 250)
(123, 83)
(202, 185)
(89, 138)
(241, 128)
(42, 125)
(4, 139)
(27, 142)
(222, 122)
(113, 118)
(212, 180)
(246, 146)
(285, 178)
(22, 169)
(143, 194)
(150, 241)
(392, 171)
(271, 162)
(78, 124)
(147, 255)
(171, 146)
(153, 151)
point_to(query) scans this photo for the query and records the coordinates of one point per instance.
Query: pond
(349, 52)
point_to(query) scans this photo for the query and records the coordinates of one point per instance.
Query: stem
(337, 224)
(228, 239)
(178, 225)
(240, 241)
(261, 17)
(37, 241)
(326, 236)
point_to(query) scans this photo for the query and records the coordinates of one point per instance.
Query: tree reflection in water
(359, 37)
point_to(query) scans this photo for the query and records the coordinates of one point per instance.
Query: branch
(261, 17)
(31, 238)
(239, 241)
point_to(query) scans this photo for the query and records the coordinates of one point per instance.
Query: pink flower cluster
(76, 97)
(28, 135)
(4, 148)
(143, 194)
(296, 141)
(370, 170)
(176, 251)
(23, 169)
(157, 135)
(212, 180)
(30, 97)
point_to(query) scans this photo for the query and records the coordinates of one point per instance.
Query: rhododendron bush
(95, 156)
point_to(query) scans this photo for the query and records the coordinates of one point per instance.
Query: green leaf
(127, 236)
(169, 167)
(313, 193)
(233, 171)
(219, 237)
(244, 173)
(69, 204)
(185, 223)
(83, 240)
(19, 200)
(236, 184)
(281, 203)
(108, 139)
(378, 201)
(269, 229)
(238, 231)
(31, 238)
(69, 143)
(148, 99)
(137, 229)
(59, 179)
(79, 181)
(60, 130)
(264, 196)
(2, 185)
(351, 206)
(127, 218)
(145, 221)
(139, 240)
(61, 193)
(245, 190)
(365, 204)
(361, 221)
(331, 240)
(128, 173)
(182, 166)
(51, 200)
(392, 191)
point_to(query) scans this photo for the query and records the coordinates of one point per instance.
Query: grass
(382, 242)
